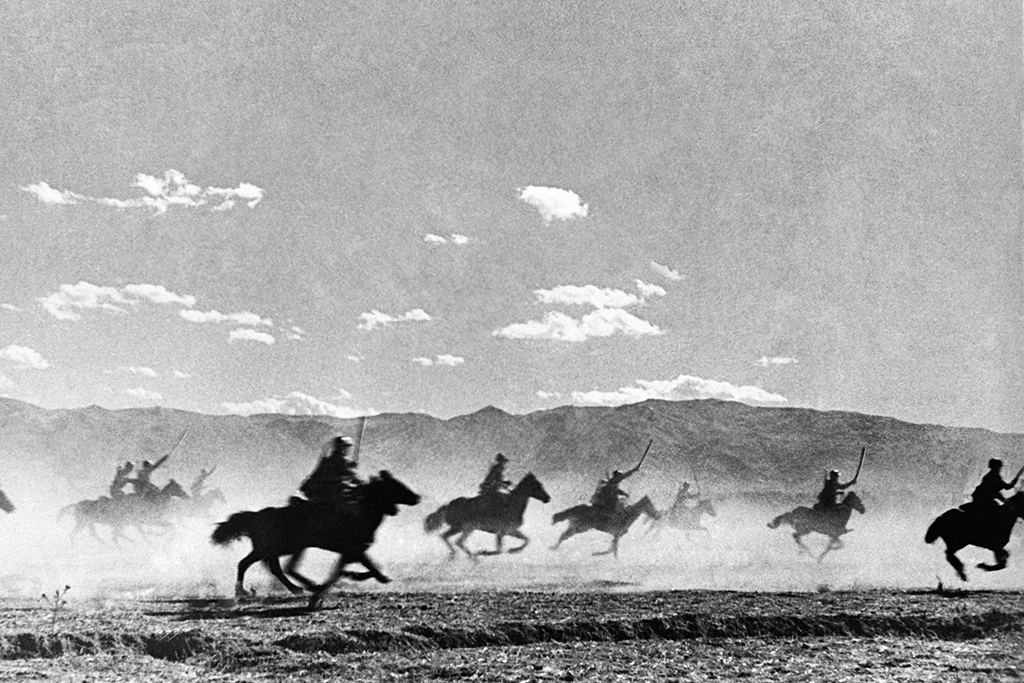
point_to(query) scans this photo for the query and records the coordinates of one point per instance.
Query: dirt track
(524, 635)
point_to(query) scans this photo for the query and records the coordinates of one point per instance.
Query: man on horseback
(495, 482)
(685, 497)
(988, 494)
(141, 483)
(334, 481)
(828, 497)
(120, 479)
(607, 498)
(196, 488)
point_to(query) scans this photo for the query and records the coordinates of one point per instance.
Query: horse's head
(5, 503)
(215, 496)
(384, 489)
(173, 490)
(704, 505)
(852, 500)
(532, 488)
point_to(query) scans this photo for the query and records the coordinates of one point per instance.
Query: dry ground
(602, 633)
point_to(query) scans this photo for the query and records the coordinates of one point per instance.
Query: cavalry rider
(606, 498)
(830, 491)
(684, 496)
(120, 479)
(196, 488)
(334, 481)
(988, 494)
(141, 483)
(495, 482)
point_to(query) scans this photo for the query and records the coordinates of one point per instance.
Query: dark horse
(986, 529)
(685, 517)
(585, 518)
(348, 531)
(804, 520)
(142, 511)
(500, 514)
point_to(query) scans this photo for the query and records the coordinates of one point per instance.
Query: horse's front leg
(499, 538)
(1002, 555)
(461, 542)
(797, 536)
(516, 533)
(445, 537)
(613, 549)
(291, 568)
(567, 534)
(273, 564)
(956, 563)
(833, 544)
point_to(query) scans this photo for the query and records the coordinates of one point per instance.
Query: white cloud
(683, 387)
(243, 318)
(434, 239)
(586, 295)
(604, 322)
(456, 239)
(65, 303)
(181, 375)
(665, 271)
(295, 403)
(377, 319)
(24, 357)
(10, 307)
(647, 289)
(173, 189)
(145, 394)
(49, 195)
(765, 361)
(354, 358)
(553, 203)
(442, 359)
(250, 335)
(459, 239)
(548, 395)
(159, 294)
(139, 370)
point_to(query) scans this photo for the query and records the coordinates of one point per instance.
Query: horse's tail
(935, 529)
(566, 514)
(435, 519)
(233, 528)
(774, 524)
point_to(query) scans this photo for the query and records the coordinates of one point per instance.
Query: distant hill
(730, 449)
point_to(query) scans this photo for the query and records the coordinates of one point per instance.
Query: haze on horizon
(387, 208)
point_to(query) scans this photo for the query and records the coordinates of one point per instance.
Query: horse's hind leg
(461, 542)
(833, 544)
(273, 565)
(498, 542)
(445, 537)
(613, 549)
(516, 533)
(796, 537)
(567, 534)
(244, 564)
(291, 568)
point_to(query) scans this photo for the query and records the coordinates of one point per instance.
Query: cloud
(250, 335)
(434, 239)
(65, 303)
(553, 203)
(377, 319)
(159, 294)
(295, 403)
(173, 189)
(649, 290)
(665, 271)
(548, 395)
(145, 394)
(24, 357)
(604, 322)
(456, 239)
(442, 359)
(181, 375)
(765, 361)
(297, 333)
(586, 295)
(10, 307)
(243, 318)
(682, 388)
(354, 358)
(459, 240)
(139, 370)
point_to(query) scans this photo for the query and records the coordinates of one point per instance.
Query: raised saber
(859, 464)
(359, 439)
(178, 443)
(646, 451)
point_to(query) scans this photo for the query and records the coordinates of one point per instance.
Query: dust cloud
(885, 549)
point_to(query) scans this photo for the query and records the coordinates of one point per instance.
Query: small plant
(56, 603)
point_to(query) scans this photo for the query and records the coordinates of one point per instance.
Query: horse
(120, 512)
(500, 514)
(347, 530)
(585, 517)
(831, 523)
(985, 529)
(201, 506)
(684, 517)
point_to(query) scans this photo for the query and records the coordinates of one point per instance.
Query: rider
(334, 480)
(196, 488)
(607, 495)
(989, 493)
(830, 490)
(684, 496)
(495, 482)
(141, 483)
(120, 479)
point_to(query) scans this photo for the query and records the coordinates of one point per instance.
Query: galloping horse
(585, 518)
(137, 510)
(500, 514)
(201, 506)
(348, 531)
(960, 528)
(685, 517)
(804, 520)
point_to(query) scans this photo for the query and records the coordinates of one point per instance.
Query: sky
(363, 207)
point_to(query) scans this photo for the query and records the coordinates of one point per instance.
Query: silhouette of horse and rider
(341, 513)
(686, 513)
(985, 522)
(606, 512)
(829, 516)
(497, 510)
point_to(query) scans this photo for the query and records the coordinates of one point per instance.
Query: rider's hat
(146, 463)
(995, 463)
(343, 442)
(834, 474)
(500, 457)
